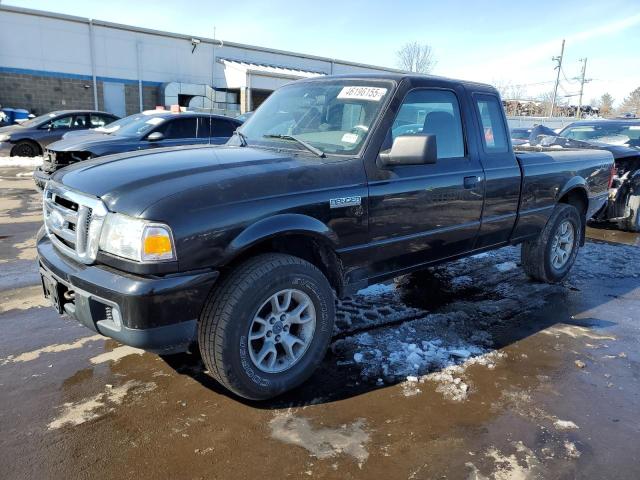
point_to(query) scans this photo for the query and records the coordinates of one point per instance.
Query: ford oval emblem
(56, 220)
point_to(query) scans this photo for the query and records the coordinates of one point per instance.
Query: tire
(633, 222)
(25, 148)
(235, 307)
(539, 259)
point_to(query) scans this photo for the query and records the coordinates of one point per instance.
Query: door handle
(471, 182)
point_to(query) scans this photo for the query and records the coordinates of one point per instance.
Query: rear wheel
(25, 148)
(267, 326)
(549, 257)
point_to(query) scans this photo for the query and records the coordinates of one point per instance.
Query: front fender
(287, 223)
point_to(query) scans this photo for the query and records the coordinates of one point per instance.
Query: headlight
(5, 138)
(136, 239)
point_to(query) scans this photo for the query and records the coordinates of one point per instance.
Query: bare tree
(606, 105)
(416, 57)
(631, 104)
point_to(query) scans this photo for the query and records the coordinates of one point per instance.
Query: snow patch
(377, 289)
(565, 425)
(116, 354)
(506, 266)
(322, 442)
(90, 408)
(55, 348)
(20, 161)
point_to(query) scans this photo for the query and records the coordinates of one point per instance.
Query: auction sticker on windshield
(373, 94)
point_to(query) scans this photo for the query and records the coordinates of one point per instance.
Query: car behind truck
(334, 184)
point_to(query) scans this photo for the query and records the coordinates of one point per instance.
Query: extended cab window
(495, 133)
(432, 112)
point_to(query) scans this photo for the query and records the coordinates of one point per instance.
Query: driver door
(422, 213)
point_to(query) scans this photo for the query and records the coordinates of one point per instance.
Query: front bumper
(158, 314)
(40, 177)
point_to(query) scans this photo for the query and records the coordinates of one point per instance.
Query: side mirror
(155, 136)
(411, 150)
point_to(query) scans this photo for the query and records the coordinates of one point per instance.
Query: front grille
(73, 221)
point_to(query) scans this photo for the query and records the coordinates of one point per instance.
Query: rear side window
(204, 127)
(222, 128)
(62, 123)
(99, 120)
(432, 112)
(494, 135)
(181, 128)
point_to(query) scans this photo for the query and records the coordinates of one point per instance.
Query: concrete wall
(41, 94)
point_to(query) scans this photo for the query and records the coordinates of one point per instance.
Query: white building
(50, 61)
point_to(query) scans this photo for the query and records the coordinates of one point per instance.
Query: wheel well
(32, 142)
(578, 198)
(303, 246)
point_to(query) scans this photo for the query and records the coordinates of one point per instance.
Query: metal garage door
(114, 98)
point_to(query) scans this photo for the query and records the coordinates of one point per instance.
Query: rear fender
(572, 184)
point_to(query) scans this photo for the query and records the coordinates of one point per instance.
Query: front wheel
(551, 255)
(25, 148)
(267, 326)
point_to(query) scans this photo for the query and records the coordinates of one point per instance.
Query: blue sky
(506, 42)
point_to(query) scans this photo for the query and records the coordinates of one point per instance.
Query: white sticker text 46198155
(373, 94)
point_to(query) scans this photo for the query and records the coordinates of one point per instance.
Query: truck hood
(129, 183)
(84, 141)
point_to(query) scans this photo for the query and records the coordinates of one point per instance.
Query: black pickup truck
(333, 184)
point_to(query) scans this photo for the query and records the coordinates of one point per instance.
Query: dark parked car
(612, 132)
(520, 136)
(30, 138)
(622, 139)
(151, 129)
(333, 184)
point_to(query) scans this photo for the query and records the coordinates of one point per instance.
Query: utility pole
(557, 67)
(583, 80)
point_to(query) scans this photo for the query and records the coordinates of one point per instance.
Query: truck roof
(398, 77)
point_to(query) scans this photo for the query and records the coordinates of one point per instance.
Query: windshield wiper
(306, 145)
(242, 137)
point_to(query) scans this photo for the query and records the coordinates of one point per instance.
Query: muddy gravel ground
(465, 371)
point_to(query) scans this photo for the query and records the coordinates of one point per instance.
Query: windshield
(613, 134)
(332, 116)
(113, 126)
(34, 122)
(133, 125)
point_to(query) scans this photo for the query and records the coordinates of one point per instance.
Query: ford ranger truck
(333, 184)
